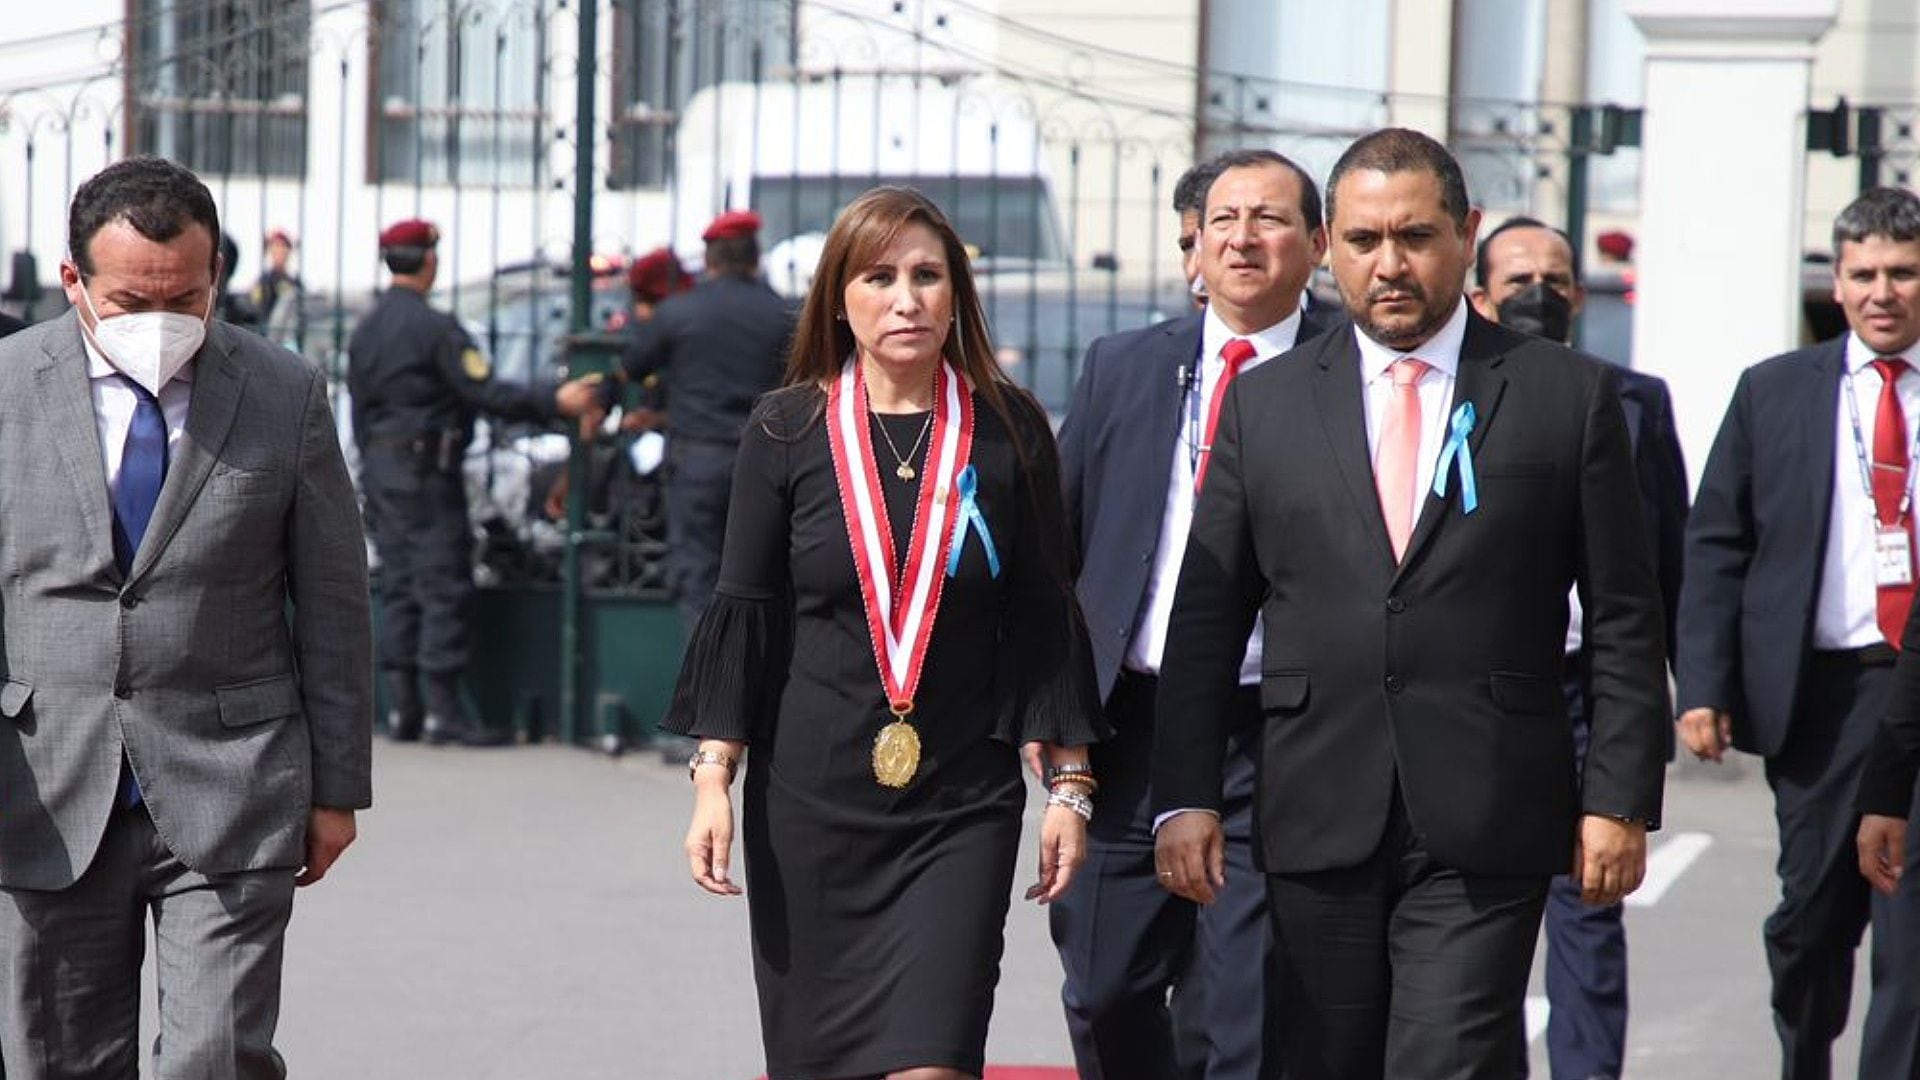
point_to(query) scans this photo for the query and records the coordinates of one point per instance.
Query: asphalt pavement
(526, 914)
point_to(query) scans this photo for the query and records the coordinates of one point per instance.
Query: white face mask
(149, 347)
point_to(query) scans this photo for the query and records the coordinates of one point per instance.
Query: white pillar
(1721, 188)
(1420, 71)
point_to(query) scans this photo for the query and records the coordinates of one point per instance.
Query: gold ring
(1166, 873)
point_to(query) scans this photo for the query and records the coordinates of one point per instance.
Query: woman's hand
(710, 837)
(1063, 847)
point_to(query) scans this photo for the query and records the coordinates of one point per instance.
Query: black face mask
(1540, 311)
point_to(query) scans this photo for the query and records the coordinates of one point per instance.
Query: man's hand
(329, 831)
(1706, 732)
(1609, 858)
(1190, 855)
(1882, 842)
(577, 397)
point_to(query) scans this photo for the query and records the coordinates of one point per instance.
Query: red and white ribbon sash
(900, 613)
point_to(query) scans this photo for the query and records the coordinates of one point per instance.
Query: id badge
(1892, 556)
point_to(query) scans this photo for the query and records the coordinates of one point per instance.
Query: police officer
(417, 381)
(717, 347)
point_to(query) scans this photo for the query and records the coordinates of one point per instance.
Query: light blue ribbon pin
(1463, 420)
(969, 516)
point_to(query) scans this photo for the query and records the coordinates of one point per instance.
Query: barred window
(220, 85)
(459, 94)
(664, 51)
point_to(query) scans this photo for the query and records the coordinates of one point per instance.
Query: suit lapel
(75, 433)
(1818, 430)
(217, 382)
(1167, 392)
(1337, 400)
(1480, 381)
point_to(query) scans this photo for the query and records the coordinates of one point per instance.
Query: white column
(1420, 70)
(1721, 188)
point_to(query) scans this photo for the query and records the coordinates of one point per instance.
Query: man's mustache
(1403, 289)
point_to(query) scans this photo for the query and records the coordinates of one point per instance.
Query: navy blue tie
(143, 469)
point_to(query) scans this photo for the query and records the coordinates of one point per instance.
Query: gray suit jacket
(232, 665)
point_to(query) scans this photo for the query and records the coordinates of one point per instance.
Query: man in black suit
(1798, 583)
(1134, 439)
(1405, 507)
(1527, 277)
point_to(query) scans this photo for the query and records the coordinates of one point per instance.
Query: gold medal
(896, 753)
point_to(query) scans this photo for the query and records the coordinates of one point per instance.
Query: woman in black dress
(894, 619)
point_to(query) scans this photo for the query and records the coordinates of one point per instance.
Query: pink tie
(1393, 466)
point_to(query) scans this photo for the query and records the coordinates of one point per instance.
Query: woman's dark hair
(859, 235)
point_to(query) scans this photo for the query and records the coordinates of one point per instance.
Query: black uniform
(717, 347)
(418, 381)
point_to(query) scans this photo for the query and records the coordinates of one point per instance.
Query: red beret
(657, 275)
(1615, 244)
(412, 232)
(732, 225)
(281, 235)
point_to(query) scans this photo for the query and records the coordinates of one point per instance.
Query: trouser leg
(1890, 1038)
(70, 966)
(699, 485)
(443, 561)
(1586, 968)
(1813, 932)
(1219, 1002)
(218, 945)
(1122, 938)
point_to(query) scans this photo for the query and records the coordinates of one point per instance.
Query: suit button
(1396, 605)
(129, 601)
(122, 691)
(1394, 685)
(1146, 557)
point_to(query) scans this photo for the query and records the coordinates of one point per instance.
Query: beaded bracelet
(1072, 773)
(1073, 801)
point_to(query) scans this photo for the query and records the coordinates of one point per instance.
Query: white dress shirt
(1846, 616)
(114, 399)
(1149, 641)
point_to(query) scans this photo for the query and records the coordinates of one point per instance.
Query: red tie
(1235, 353)
(1890, 488)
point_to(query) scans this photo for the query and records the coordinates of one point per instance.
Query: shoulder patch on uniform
(475, 364)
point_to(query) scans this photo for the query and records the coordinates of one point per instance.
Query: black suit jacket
(718, 347)
(1755, 544)
(1444, 670)
(1116, 456)
(1662, 474)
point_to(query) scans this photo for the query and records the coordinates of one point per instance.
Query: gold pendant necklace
(901, 469)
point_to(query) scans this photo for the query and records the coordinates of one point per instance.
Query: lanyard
(1866, 467)
(1193, 380)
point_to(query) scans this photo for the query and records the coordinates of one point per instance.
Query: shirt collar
(99, 367)
(1267, 343)
(1441, 351)
(1859, 355)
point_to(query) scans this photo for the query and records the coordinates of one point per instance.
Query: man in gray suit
(187, 652)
